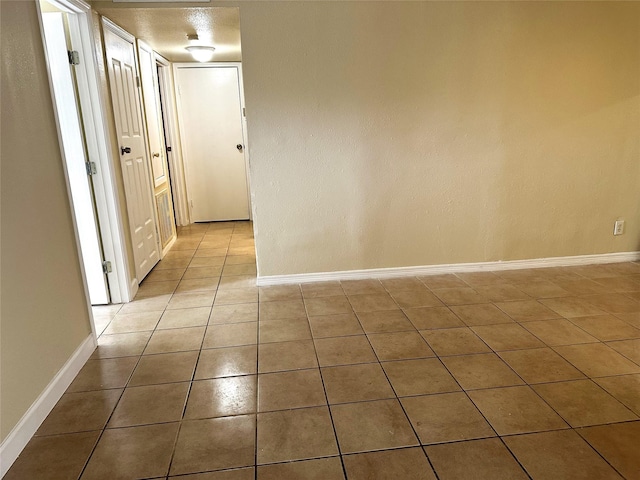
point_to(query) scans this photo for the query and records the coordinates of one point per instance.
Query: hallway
(505, 375)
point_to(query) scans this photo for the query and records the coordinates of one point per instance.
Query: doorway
(84, 141)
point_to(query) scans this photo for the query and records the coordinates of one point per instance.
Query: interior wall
(389, 134)
(44, 311)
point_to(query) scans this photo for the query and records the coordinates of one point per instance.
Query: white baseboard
(18, 438)
(450, 268)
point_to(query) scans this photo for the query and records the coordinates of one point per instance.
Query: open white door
(211, 129)
(123, 82)
(77, 165)
(157, 146)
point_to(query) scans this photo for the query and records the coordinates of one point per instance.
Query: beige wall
(388, 134)
(44, 311)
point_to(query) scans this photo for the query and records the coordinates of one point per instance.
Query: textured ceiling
(166, 29)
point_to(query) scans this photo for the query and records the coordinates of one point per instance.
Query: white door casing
(211, 128)
(121, 66)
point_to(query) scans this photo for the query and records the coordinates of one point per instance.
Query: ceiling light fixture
(200, 53)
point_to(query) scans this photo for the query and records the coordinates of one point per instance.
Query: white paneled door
(210, 113)
(133, 155)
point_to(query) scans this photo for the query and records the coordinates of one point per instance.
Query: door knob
(239, 147)
(124, 150)
(156, 155)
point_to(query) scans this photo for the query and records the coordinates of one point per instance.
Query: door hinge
(138, 82)
(91, 168)
(74, 57)
(106, 267)
(168, 149)
(244, 112)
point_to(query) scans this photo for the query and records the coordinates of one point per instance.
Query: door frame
(98, 143)
(247, 163)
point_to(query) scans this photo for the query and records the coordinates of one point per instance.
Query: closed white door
(133, 156)
(210, 113)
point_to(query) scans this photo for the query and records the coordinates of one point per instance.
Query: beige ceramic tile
(477, 279)
(628, 348)
(175, 340)
(618, 444)
(607, 327)
(485, 370)
(512, 410)
(614, 303)
(287, 390)
(281, 356)
(121, 345)
(446, 417)
(335, 326)
(327, 305)
(385, 321)
(284, 330)
(459, 296)
(527, 310)
(502, 293)
(344, 350)
(442, 281)
(454, 341)
(475, 459)
(419, 377)
(542, 289)
(421, 297)
(562, 454)
(150, 404)
(278, 310)
(222, 397)
(405, 464)
(57, 457)
(236, 295)
(321, 289)
(295, 435)
(202, 272)
(356, 383)
(597, 360)
(214, 444)
(582, 403)
(184, 317)
(432, 318)
(570, 307)
(227, 362)
(625, 388)
(80, 412)
(507, 337)
(375, 425)
(372, 302)
(191, 300)
(399, 346)
(164, 368)
(231, 335)
(559, 332)
(362, 287)
(401, 284)
(103, 374)
(280, 293)
(245, 312)
(483, 314)
(317, 469)
(540, 365)
(133, 322)
(136, 452)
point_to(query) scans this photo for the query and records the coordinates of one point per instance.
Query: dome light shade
(201, 53)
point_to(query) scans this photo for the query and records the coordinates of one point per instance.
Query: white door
(75, 157)
(133, 156)
(157, 146)
(209, 107)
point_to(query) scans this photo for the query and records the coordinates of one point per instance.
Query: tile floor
(494, 375)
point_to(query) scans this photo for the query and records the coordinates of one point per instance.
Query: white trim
(449, 268)
(18, 438)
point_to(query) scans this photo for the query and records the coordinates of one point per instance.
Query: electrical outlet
(618, 227)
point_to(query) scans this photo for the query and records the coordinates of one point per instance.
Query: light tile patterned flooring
(505, 375)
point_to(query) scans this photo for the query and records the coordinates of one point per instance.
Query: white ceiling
(165, 29)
